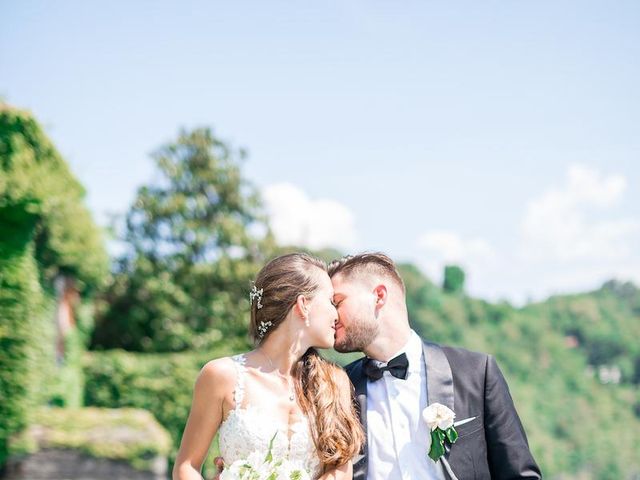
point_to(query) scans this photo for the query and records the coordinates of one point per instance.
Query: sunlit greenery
(177, 297)
(46, 233)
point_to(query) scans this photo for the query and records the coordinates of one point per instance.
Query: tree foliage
(453, 279)
(195, 239)
(35, 180)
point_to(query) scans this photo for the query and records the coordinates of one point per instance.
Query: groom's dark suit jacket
(494, 445)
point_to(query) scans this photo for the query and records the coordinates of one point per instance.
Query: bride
(282, 393)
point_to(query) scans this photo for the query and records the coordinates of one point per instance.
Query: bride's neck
(281, 352)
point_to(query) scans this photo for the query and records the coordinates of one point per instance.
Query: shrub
(159, 382)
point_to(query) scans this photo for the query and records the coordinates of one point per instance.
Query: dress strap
(238, 393)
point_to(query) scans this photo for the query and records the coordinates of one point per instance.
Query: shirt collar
(413, 350)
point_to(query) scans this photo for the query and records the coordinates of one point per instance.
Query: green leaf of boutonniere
(438, 437)
(437, 444)
(452, 435)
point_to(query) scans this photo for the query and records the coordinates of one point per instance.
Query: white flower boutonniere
(439, 418)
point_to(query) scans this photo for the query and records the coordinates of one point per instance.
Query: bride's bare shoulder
(219, 374)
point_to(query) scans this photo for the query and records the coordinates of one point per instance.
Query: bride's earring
(306, 321)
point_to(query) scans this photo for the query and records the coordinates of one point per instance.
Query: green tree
(453, 279)
(195, 239)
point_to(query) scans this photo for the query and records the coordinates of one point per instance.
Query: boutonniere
(439, 418)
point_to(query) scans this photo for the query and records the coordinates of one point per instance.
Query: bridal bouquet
(257, 466)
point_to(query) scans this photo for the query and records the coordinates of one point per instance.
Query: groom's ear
(381, 295)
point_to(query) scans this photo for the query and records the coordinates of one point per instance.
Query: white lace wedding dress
(250, 428)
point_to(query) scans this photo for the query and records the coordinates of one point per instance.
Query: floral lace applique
(248, 429)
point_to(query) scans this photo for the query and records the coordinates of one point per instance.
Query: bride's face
(322, 314)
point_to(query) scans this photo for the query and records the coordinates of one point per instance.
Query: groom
(401, 374)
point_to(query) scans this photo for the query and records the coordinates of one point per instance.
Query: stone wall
(54, 464)
(90, 444)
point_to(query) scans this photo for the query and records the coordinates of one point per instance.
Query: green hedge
(29, 373)
(160, 383)
(21, 298)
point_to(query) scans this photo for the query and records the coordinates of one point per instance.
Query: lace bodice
(251, 428)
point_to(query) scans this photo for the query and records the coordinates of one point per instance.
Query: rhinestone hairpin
(255, 293)
(263, 327)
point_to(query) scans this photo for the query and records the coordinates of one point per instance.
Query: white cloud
(563, 224)
(443, 247)
(297, 219)
(570, 239)
(452, 248)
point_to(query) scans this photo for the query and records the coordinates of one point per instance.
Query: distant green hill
(572, 362)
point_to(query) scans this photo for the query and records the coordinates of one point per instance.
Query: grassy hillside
(572, 363)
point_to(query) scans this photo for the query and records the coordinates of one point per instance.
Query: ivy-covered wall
(45, 232)
(21, 300)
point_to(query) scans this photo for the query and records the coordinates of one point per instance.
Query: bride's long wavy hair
(335, 428)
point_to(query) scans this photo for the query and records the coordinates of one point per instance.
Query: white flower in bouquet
(257, 466)
(264, 470)
(233, 471)
(288, 470)
(255, 460)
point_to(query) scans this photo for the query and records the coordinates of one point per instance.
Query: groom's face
(355, 301)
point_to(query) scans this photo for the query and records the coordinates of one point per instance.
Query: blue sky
(500, 135)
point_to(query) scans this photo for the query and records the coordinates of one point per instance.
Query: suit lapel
(439, 377)
(359, 379)
(439, 389)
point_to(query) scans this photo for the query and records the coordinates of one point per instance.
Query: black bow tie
(397, 367)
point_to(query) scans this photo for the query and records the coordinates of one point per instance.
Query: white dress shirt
(397, 435)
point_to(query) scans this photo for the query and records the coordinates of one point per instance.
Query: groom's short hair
(375, 263)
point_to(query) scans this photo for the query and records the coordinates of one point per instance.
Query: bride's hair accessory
(256, 294)
(263, 327)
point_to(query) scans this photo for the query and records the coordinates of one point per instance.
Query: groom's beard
(357, 336)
